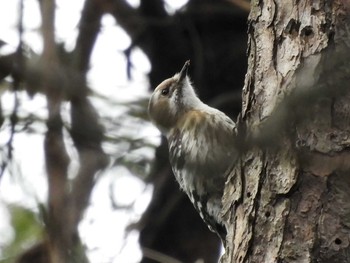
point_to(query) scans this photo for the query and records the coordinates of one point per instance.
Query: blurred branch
(56, 156)
(153, 8)
(13, 121)
(128, 17)
(243, 4)
(17, 56)
(158, 256)
(87, 135)
(37, 254)
(86, 131)
(89, 28)
(63, 80)
(7, 65)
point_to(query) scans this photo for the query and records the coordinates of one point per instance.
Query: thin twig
(243, 4)
(158, 256)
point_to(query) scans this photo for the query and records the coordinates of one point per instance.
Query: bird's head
(171, 99)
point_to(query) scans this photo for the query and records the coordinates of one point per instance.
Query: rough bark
(287, 200)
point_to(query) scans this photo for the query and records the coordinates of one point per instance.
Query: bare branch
(87, 135)
(158, 256)
(243, 4)
(89, 28)
(56, 156)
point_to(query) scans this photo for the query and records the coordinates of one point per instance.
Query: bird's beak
(180, 84)
(183, 72)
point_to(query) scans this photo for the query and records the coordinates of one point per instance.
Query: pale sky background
(103, 229)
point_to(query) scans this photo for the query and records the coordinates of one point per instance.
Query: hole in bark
(249, 194)
(240, 259)
(267, 214)
(337, 241)
(292, 27)
(307, 31)
(300, 143)
(332, 136)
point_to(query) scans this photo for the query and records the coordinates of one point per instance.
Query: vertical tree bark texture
(288, 199)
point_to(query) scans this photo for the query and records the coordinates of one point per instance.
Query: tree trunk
(288, 198)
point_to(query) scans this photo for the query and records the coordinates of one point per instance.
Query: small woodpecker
(201, 143)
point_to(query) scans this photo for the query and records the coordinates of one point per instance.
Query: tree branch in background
(86, 131)
(128, 17)
(87, 135)
(59, 82)
(243, 4)
(56, 156)
(5, 69)
(89, 27)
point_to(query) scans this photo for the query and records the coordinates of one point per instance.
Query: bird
(201, 142)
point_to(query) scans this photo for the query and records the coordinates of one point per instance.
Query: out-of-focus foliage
(27, 231)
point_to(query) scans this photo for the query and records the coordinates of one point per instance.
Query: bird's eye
(165, 91)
